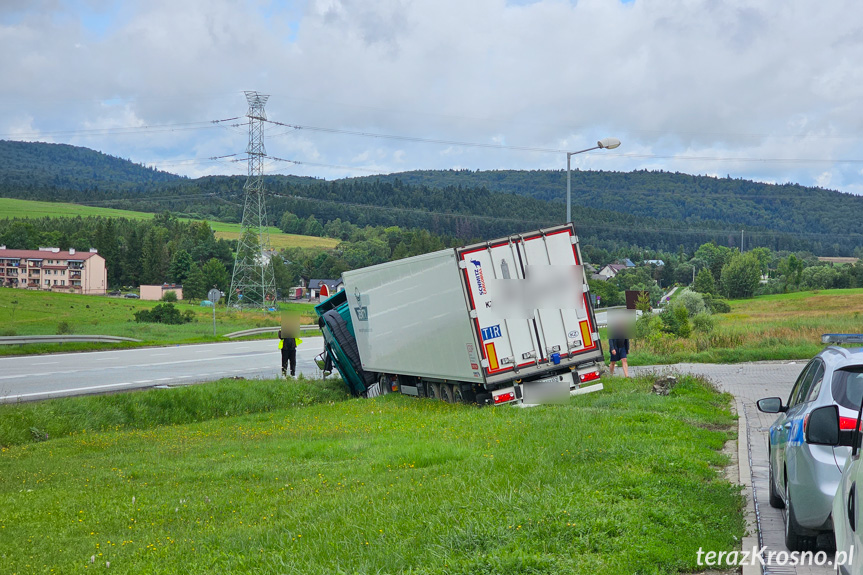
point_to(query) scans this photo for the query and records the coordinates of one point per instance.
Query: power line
(556, 150)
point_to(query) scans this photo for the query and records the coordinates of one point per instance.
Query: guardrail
(260, 330)
(25, 339)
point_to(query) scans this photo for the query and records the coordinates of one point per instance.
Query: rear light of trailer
(590, 376)
(504, 398)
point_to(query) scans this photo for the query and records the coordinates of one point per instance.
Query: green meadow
(13, 208)
(294, 478)
(25, 312)
(771, 327)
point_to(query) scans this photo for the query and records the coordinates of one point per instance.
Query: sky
(769, 91)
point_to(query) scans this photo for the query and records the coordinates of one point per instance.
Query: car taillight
(504, 397)
(847, 423)
(589, 376)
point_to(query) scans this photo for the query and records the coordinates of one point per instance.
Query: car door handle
(852, 506)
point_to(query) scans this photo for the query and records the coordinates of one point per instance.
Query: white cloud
(676, 80)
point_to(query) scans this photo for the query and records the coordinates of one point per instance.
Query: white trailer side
(410, 318)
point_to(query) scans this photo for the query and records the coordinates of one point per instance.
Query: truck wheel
(385, 384)
(446, 392)
(432, 391)
(457, 396)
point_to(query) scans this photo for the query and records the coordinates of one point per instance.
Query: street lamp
(603, 144)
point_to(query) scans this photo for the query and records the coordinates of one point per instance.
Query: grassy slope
(784, 326)
(617, 482)
(40, 313)
(13, 208)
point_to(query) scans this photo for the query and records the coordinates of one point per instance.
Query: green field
(25, 312)
(620, 481)
(772, 327)
(13, 208)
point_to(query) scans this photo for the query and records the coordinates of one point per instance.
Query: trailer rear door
(530, 308)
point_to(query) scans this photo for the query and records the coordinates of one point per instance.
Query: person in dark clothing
(288, 346)
(618, 349)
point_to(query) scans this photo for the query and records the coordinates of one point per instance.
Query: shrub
(703, 323)
(163, 313)
(717, 304)
(647, 326)
(64, 327)
(675, 320)
(692, 301)
(169, 296)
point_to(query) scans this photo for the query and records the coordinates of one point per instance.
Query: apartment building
(53, 270)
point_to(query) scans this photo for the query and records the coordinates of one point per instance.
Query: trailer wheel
(432, 390)
(446, 392)
(457, 395)
(385, 383)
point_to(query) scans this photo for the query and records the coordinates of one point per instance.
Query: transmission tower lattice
(253, 283)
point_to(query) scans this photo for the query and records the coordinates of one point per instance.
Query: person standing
(618, 348)
(288, 346)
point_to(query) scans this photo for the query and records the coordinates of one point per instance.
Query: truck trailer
(504, 321)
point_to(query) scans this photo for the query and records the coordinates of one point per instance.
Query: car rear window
(847, 387)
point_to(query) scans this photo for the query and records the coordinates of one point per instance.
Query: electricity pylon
(253, 283)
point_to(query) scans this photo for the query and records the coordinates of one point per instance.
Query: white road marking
(144, 381)
(44, 363)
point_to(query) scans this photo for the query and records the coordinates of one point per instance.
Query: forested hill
(664, 195)
(656, 210)
(36, 165)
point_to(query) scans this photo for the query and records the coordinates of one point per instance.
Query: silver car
(804, 475)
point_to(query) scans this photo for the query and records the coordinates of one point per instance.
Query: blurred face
(621, 323)
(290, 324)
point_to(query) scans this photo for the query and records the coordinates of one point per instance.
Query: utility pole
(741, 241)
(253, 283)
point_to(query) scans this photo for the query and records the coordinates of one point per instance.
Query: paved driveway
(748, 383)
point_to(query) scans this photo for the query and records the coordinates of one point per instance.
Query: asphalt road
(33, 377)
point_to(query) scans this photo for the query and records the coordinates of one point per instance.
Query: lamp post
(603, 144)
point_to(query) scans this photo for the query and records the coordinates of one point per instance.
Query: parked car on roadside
(132, 296)
(804, 476)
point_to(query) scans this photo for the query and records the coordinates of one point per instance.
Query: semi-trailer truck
(504, 321)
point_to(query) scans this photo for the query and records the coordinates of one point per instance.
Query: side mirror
(771, 405)
(822, 426)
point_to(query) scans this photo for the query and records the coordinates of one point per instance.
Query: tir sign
(491, 332)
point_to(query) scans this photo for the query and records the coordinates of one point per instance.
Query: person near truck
(618, 348)
(620, 325)
(288, 347)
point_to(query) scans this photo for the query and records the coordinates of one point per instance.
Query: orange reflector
(492, 356)
(586, 340)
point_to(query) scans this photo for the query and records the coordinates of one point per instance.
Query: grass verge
(621, 481)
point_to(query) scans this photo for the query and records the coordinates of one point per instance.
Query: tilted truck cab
(498, 322)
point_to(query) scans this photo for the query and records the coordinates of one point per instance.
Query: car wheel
(794, 540)
(774, 499)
